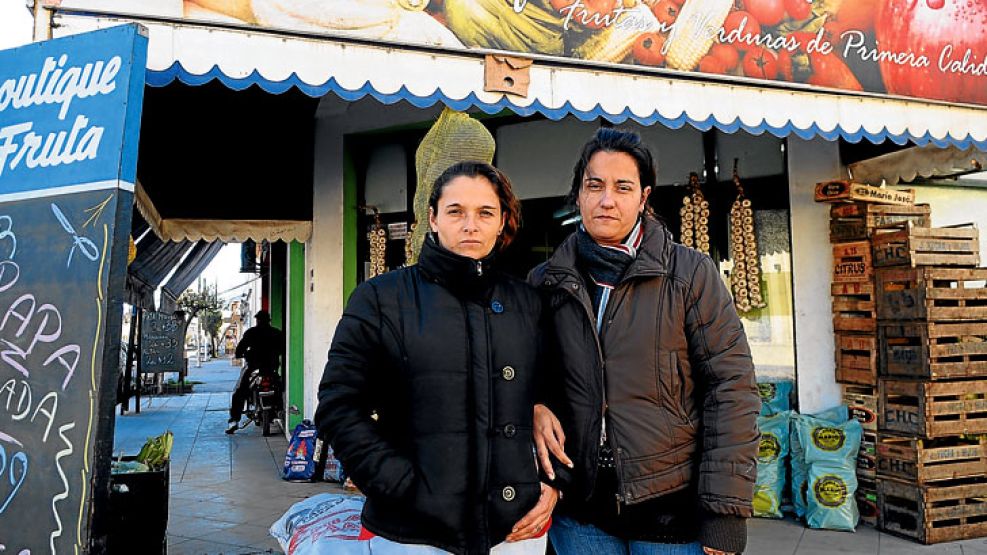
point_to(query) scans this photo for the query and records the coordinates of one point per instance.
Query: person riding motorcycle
(262, 348)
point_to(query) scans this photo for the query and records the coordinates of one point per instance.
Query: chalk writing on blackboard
(162, 343)
(84, 244)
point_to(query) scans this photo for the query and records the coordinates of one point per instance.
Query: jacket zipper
(471, 396)
(603, 388)
(479, 267)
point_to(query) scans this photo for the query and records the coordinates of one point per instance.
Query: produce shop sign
(68, 115)
(930, 49)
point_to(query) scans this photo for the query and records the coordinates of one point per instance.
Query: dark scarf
(604, 266)
(465, 277)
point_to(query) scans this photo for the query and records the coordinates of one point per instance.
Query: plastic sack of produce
(771, 453)
(299, 461)
(835, 415)
(775, 397)
(325, 523)
(831, 457)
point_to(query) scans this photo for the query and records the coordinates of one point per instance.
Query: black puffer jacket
(671, 370)
(446, 353)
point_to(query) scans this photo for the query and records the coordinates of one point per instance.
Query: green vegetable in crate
(831, 455)
(835, 415)
(771, 453)
(157, 450)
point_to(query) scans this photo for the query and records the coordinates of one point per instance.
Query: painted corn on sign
(930, 49)
(69, 116)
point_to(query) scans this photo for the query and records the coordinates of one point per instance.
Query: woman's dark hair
(607, 139)
(510, 206)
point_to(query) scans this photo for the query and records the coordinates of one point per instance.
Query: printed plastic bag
(299, 461)
(836, 415)
(334, 469)
(324, 523)
(775, 397)
(771, 453)
(831, 456)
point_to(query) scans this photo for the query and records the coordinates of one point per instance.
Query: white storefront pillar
(812, 267)
(323, 257)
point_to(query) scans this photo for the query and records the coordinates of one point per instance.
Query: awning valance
(276, 62)
(225, 230)
(910, 163)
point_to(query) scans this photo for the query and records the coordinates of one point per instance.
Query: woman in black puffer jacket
(445, 353)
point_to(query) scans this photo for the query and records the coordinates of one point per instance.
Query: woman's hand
(537, 518)
(711, 551)
(549, 438)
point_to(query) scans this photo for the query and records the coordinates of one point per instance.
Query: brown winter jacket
(671, 369)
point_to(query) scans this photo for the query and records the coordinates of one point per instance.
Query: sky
(15, 23)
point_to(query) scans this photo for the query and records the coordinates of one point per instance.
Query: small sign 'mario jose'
(847, 191)
(69, 111)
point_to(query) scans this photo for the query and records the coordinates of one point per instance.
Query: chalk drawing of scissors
(85, 246)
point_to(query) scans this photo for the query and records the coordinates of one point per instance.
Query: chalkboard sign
(69, 123)
(162, 343)
(54, 299)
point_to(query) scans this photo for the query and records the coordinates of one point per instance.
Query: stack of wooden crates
(910, 315)
(855, 322)
(932, 391)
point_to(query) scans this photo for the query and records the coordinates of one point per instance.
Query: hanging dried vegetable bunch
(746, 277)
(409, 244)
(695, 217)
(377, 236)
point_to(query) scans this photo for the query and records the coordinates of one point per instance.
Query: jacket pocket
(672, 387)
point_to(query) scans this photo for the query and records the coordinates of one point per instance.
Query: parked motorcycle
(264, 405)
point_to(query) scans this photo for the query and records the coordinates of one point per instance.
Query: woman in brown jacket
(652, 390)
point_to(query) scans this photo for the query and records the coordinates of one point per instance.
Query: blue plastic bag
(771, 453)
(835, 415)
(831, 457)
(333, 471)
(775, 396)
(299, 461)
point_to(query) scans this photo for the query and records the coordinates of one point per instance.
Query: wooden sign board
(68, 164)
(846, 191)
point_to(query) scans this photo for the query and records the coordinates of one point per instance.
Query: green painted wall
(296, 331)
(277, 284)
(350, 234)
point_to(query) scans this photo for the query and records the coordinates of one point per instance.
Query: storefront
(322, 113)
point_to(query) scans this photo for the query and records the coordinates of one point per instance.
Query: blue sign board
(69, 123)
(70, 112)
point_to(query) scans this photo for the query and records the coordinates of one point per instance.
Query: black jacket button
(510, 430)
(507, 373)
(508, 494)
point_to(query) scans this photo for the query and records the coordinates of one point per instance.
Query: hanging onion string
(745, 281)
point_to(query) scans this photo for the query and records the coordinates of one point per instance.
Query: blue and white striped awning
(352, 70)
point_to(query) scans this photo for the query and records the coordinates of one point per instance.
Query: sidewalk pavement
(226, 490)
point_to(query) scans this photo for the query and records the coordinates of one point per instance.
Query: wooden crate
(933, 350)
(947, 511)
(867, 500)
(854, 308)
(867, 457)
(852, 262)
(905, 244)
(932, 409)
(938, 294)
(856, 359)
(922, 461)
(862, 402)
(856, 221)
